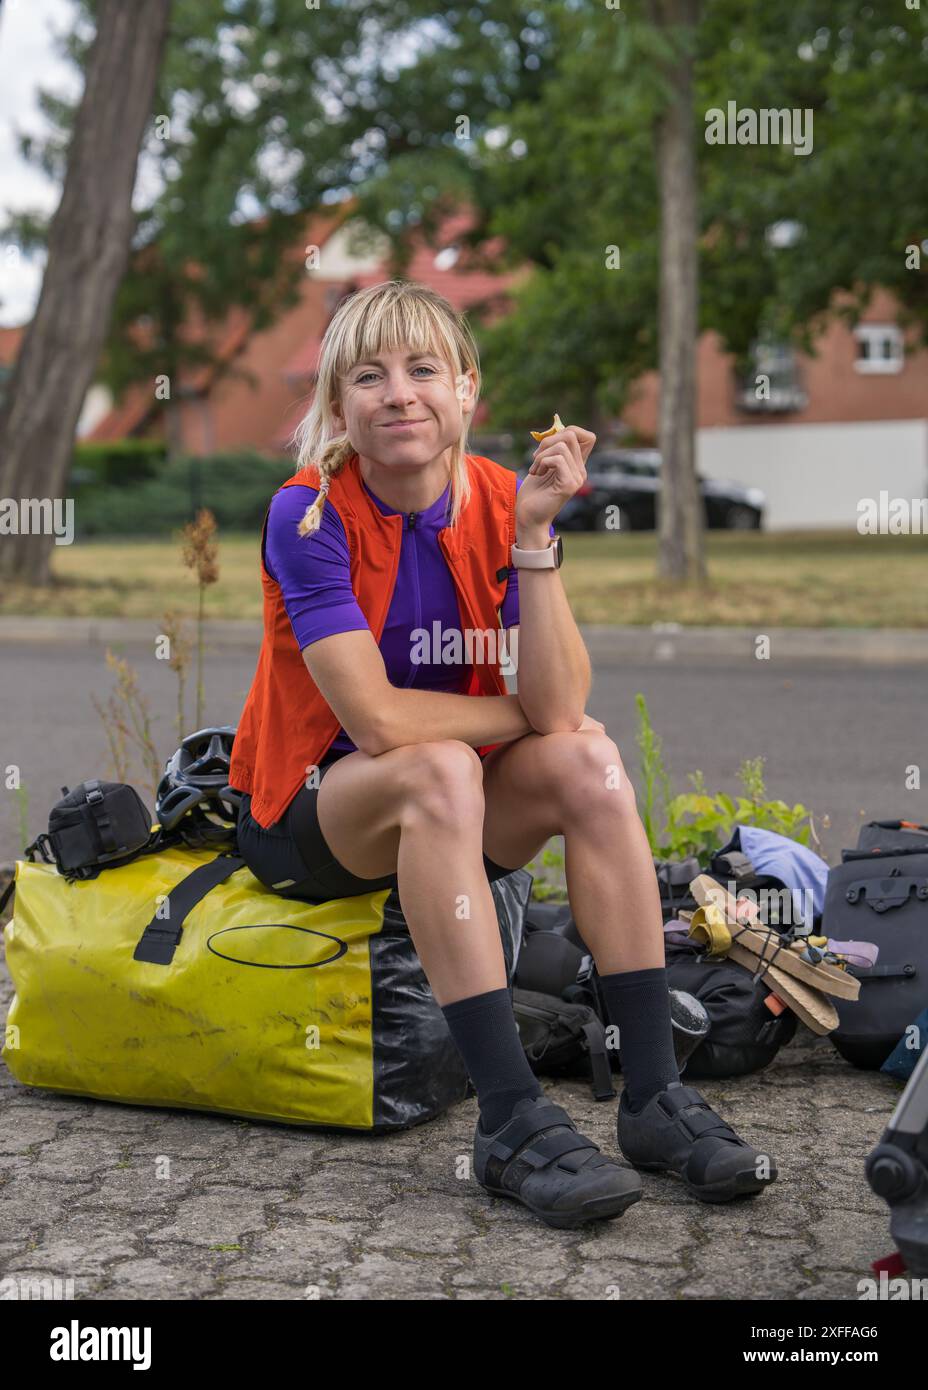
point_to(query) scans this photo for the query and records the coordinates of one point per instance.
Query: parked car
(628, 481)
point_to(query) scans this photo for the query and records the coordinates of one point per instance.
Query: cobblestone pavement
(259, 1211)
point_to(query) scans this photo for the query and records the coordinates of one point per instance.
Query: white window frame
(877, 334)
(777, 360)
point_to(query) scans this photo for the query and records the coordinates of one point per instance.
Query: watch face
(558, 553)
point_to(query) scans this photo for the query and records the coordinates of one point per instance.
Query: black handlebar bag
(97, 825)
(879, 893)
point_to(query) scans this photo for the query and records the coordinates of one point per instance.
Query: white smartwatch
(548, 559)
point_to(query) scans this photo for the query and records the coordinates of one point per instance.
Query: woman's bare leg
(418, 812)
(574, 784)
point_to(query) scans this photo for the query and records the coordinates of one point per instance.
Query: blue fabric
(901, 1061)
(797, 867)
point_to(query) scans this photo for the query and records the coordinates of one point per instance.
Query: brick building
(819, 433)
(219, 412)
(816, 433)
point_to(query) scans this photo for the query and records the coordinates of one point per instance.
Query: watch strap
(536, 559)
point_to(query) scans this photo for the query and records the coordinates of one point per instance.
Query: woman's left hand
(558, 470)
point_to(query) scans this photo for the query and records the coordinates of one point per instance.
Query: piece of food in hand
(558, 425)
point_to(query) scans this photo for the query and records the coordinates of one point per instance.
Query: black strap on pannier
(565, 1032)
(160, 938)
(594, 1043)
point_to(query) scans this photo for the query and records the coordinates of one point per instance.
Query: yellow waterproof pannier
(180, 980)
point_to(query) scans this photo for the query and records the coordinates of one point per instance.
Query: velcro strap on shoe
(553, 1146)
(522, 1127)
(678, 1098)
(703, 1122)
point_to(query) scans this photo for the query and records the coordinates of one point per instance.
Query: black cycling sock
(638, 1003)
(485, 1033)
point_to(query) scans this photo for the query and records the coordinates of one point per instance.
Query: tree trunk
(88, 249)
(681, 552)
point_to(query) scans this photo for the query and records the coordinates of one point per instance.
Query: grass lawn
(789, 579)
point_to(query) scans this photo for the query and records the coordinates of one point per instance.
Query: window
(879, 347)
(772, 383)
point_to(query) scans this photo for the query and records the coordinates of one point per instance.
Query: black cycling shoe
(539, 1158)
(678, 1131)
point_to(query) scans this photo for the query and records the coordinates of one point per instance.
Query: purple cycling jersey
(314, 574)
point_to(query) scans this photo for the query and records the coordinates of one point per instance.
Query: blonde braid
(333, 459)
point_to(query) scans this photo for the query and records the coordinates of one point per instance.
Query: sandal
(678, 1131)
(540, 1159)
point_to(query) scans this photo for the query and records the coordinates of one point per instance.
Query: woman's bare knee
(365, 803)
(587, 775)
(442, 784)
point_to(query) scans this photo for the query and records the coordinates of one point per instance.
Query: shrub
(236, 488)
(699, 822)
(117, 463)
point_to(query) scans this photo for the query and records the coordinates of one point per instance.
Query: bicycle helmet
(194, 797)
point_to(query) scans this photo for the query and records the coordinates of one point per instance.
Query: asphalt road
(836, 736)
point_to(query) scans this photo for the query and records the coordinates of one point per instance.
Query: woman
(366, 762)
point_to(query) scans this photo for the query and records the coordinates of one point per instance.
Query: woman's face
(419, 389)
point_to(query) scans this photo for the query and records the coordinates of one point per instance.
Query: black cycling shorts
(292, 858)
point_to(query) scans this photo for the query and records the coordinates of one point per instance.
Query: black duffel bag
(561, 1010)
(879, 893)
(561, 1039)
(738, 1033)
(744, 1036)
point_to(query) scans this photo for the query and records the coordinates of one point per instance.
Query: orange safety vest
(286, 727)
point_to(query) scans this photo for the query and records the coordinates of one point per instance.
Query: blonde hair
(388, 317)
